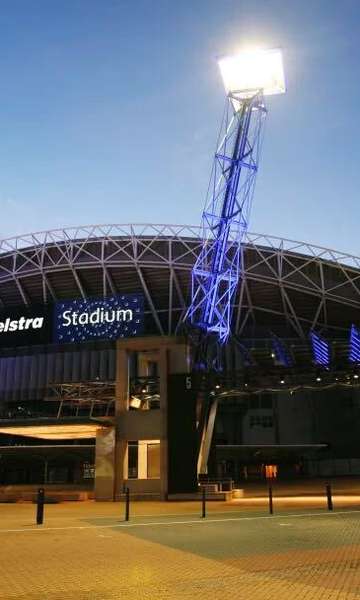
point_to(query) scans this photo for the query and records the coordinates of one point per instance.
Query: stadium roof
(288, 287)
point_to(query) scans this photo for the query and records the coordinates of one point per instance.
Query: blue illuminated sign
(354, 355)
(321, 350)
(98, 318)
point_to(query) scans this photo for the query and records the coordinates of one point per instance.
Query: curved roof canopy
(288, 287)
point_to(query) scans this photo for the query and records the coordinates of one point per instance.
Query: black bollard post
(329, 497)
(271, 509)
(127, 504)
(203, 502)
(40, 506)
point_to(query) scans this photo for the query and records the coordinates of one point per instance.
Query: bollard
(127, 504)
(329, 497)
(40, 506)
(271, 509)
(203, 502)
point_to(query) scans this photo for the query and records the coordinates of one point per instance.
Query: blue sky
(110, 110)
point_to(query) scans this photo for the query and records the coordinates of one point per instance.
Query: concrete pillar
(163, 373)
(171, 354)
(104, 463)
(121, 407)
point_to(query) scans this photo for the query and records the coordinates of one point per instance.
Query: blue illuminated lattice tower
(354, 354)
(321, 350)
(225, 219)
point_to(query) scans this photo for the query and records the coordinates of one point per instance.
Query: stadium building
(96, 389)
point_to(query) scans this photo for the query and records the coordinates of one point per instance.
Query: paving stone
(86, 551)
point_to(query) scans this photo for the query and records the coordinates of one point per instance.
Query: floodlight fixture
(252, 71)
(135, 402)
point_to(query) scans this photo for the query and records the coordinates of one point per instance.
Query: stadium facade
(95, 381)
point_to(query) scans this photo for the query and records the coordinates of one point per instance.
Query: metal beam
(149, 300)
(207, 438)
(22, 292)
(78, 283)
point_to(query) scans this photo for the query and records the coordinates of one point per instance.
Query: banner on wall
(99, 318)
(72, 321)
(25, 326)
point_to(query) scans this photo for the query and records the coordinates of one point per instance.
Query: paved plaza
(167, 551)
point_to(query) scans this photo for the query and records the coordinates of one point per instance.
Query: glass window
(254, 403)
(133, 460)
(261, 421)
(152, 368)
(266, 401)
(153, 461)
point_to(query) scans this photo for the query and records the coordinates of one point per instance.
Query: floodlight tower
(247, 77)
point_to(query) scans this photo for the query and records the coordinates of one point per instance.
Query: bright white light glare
(253, 70)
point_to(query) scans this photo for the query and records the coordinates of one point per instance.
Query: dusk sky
(110, 110)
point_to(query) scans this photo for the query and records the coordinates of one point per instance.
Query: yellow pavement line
(190, 522)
